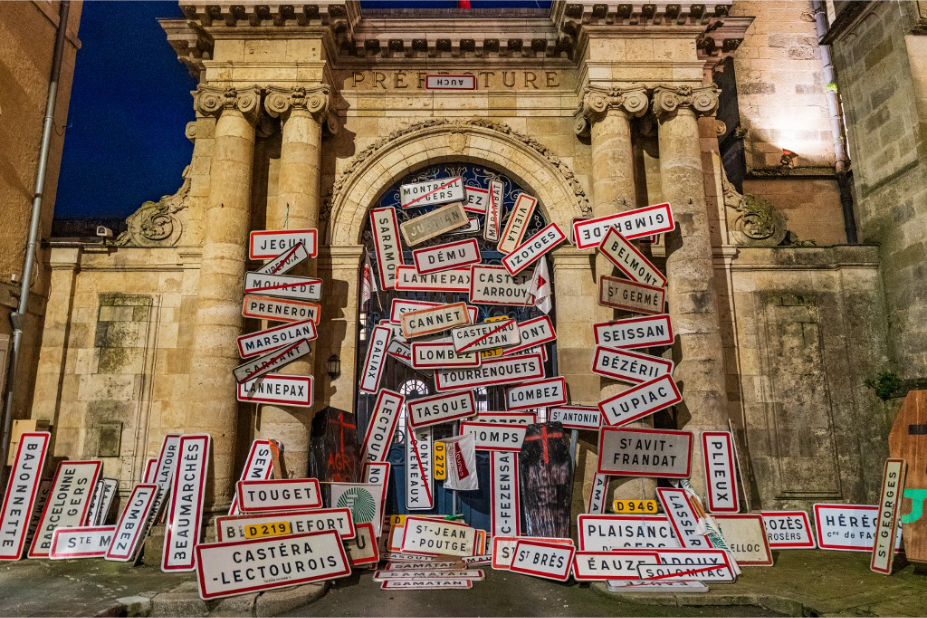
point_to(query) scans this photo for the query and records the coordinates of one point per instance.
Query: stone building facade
(306, 114)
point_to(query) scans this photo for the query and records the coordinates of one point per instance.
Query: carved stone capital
(281, 101)
(597, 101)
(667, 100)
(213, 100)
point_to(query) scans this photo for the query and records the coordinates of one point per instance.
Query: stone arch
(377, 167)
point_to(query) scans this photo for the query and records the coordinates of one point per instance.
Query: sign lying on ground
(19, 500)
(362, 549)
(238, 527)
(847, 527)
(438, 538)
(577, 417)
(625, 451)
(283, 286)
(629, 366)
(290, 390)
(133, 523)
(493, 285)
(533, 249)
(279, 309)
(431, 192)
(434, 583)
(630, 296)
(690, 564)
(506, 504)
(637, 223)
(720, 475)
(256, 367)
(185, 514)
(745, 538)
(635, 333)
(544, 393)
(81, 542)
(268, 244)
(408, 279)
(275, 338)
(517, 223)
(376, 473)
(591, 566)
(629, 260)
(382, 426)
(279, 495)
(541, 559)
(434, 320)
(485, 336)
(431, 224)
(494, 436)
(495, 372)
(788, 529)
(887, 523)
(68, 503)
(642, 400)
(386, 241)
(503, 548)
(447, 256)
(614, 532)
(442, 408)
(682, 516)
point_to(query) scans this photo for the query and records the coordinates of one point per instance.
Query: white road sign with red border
(387, 244)
(19, 500)
(185, 514)
(268, 244)
(544, 393)
(640, 401)
(447, 256)
(382, 425)
(646, 221)
(527, 253)
(68, 503)
(720, 474)
(633, 333)
(279, 495)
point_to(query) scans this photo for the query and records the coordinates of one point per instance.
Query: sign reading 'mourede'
(284, 286)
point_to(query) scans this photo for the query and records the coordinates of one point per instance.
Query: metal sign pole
(574, 439)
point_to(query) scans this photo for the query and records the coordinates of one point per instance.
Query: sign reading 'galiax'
(290, 390)
(629, 260)
(268, 244)
(21, 490)
(279, 495)
(375, 360)
(517, 223)
(386, 241)
(633, 333)
(646, 221)
(443, 408)
(431, 537)
(432, 192)
(533, 249)
(625, 451)
(503, 370)
(427, 226)
(447, 256)
(640, 401)
(629, 296)
(434, 320)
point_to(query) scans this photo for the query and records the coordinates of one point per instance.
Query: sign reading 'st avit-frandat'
(627, 451)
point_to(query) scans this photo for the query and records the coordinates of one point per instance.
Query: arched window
(410, 389)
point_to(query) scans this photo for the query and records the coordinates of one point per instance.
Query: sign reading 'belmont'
(497, 371)
(533, 332)
(629, 260)
(614, 532)
(625, 451)
(646, 221)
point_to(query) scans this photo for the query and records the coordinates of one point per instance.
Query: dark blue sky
(130, 103)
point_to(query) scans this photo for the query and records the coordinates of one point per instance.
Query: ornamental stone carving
(317, 100)
(756, 222)
(213, 100)
(597, 101)
(667, 100)
(157, 224)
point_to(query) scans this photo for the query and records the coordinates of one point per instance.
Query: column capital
(315, 99)
(667, 100)
(213, 100)
(597, 101)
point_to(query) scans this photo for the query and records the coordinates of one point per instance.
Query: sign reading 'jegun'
(633, 333)
(646, 221)
(642, 400)
(431, 192)
(290, 390)
(625, 451)
(533, 249)
(268, 244)
(275, 338)
(498, 371)
(284, 286)
(279, 309)
(257, 367)
(629, 296)
(629, 260)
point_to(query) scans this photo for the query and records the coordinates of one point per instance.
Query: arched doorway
(417, 383)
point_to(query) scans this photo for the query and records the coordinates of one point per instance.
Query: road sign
(408, 279)
(444, 257)
(630, 296)
(432, 537)
(19, 501)
(382, 426)
(499, 371)
(420, 495)
(503, 548)
(68, 503)
(387, 244)
(720, 475)
(577, 417)
(239, 567)
(431, 224)
(258, 525)
(400, 351)
(279, 388)
(485, 336)
(279, 309)
(640, 401)
(493, 436)
(682, 516)
(401, 306)
(633, 333)
(597, 493)
(434, 320)
(745, 538)
(788, 529)
(286, 261)
(533, 249)
(629, 260)
(362, 550)
(613, 532)
(635, 506)
(374, 361)
(494, 211)
(493, 285)
(254, 368)
(424, 574)
(592, 566)
(283, 286)
(441, 354)
(164, 471)
(431, 192)
(185, 514)
(377, 473)
(450, 82)
(848, 527)
(440, 461)
(629, 366)
(517, 223)
(275, 338)
(441, 408)
(506, 505)
(625, 451)
(279, 495)
(637, 223)
(541, 559)
(477, 200)
(473, 227)
(507, 418)
(428, 584)
(691, 559)
(268, 244)
(81, 542)
(533, 332)
(544, 393)
(889, 505)
(102, 502)
(132, 526)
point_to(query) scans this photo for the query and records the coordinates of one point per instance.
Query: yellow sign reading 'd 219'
(440, 461)
(257, 531)
(635, 506)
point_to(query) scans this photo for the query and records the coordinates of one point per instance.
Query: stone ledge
(184, 600)
(776, 603)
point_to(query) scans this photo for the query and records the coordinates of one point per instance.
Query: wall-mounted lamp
(788, 158)
(333, 366)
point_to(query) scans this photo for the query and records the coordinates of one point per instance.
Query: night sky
(130, 102)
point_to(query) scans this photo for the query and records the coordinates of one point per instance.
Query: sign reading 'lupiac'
(642, 400)
(637, 223)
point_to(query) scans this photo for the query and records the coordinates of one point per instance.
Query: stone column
(691, 292)
(211, 405)
(302, 112)
(606, 114)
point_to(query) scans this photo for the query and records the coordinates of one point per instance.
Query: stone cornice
(667, 100)
(596, 102)
(213, 100)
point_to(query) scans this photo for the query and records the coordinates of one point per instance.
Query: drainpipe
(842, 159)
(18, 316)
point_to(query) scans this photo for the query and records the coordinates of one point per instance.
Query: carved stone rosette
(213, 100)
(597, 101)
(317, 100)
(667, 100)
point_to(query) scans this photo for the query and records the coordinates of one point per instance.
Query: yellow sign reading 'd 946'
(635, 506)
(257, 531)
(440, 461)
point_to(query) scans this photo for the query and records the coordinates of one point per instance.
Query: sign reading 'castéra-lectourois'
(386, 241)
(432, 192)
(637, 223)
(626, 451)
(22, 488)
(427, 226)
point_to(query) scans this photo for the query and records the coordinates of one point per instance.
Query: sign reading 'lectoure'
(382, 425)
(624, 451)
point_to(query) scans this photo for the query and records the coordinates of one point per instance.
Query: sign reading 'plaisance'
(613, 532)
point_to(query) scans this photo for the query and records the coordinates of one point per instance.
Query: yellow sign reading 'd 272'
(440, 461)
(257, 531)
(635, 506)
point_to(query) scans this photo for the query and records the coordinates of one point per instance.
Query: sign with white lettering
(374, 361)
(284, 286)
(642, 400)
(434, 320)
(433, 583)
(626, 451)
(692, 559)
(362, 550)
(526, 254)
(419, 470)
(507, 418)
(432, 192)
(629, 260)
(477, 200)
(745, 538)
(446, 256)
(133, 523)
(408, 279)
(268, 244)
(450, 82)
(633, 333)
(275, 338)
(290, 390)
(256, 367)
(238, 527)
(185, 514)
(892, 487)
(537, 394)
(612, 532)
(517, 223)
(503, 548)
(577, 417)
(493, 285)
(646, 221)
(493, 436)
(682, 516)
(265, 495)
(629, 366)
(494, 211)
(431, 224)
(630, 296)
(473, 227)
(441, 354)
(286, 261)
(597, 493)
(389, 575)
(68, 503)
(495, 372)
(279, 309)
(239, 567)
(720, 476)
(81, 542)
(432, 537)
(533, 332)
(386, 241)
(21, 491)
(382, 426)
(848, 527)
(485, 336)
(439, 409)
(542, 559)
(594, 566)
(788, 529)
(506, 504)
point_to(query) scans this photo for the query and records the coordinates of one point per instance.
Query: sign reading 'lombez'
(537, 394)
